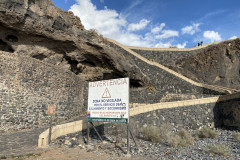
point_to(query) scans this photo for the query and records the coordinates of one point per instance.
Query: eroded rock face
(218, 64)
(40, 30)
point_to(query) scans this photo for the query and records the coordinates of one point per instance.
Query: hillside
(217, 64)
(213, 64)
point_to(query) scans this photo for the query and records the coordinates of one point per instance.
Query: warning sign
(108, 101)
(106, 94)
(51, 110)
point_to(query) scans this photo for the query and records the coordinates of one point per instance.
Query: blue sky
(159, 23)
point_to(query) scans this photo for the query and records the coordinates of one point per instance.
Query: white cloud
(182, 45)
(167, 34)
(233, 37)
(212, 36)
(158, 28)
(192, 29)
(163, 45)
(102, 1)
(138, 26)
(114, 25)
(107, 22)
(169, 44)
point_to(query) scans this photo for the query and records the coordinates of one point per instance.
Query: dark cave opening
(111, 75)
(135, 83)
(5, 47)
(12, 38)
(73, 65)
(88, 63)
(39, 56)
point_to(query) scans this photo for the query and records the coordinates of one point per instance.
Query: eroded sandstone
(42, 31)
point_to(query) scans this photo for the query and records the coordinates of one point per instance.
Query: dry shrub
(93, 32)
(182, 138)
(236, 136)
(151, 133)
(164, 134)
(220, 149)
(186, 138)
(206, 132)
(165, 131)
(157, 134)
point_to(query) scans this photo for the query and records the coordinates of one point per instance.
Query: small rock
(140, 150)
(90, 148)
(67, 142)
(74, 138)
(81, 146)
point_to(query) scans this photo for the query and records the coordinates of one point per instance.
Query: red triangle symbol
(106, 94)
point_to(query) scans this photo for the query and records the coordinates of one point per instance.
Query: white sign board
(108, 101)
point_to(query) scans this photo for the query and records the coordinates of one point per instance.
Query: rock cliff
(40, 30)
(216, 64)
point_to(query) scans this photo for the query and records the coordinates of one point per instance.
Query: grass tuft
(30, 155)
(206, 132)
(182, 138)
(164, 134)
(236, 136)
(151, 133)
(219, 149)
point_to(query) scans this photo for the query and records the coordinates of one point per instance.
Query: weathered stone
(59, 38)
(67, 142)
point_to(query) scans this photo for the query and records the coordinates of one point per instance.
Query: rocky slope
(42, 31)
(216, 64)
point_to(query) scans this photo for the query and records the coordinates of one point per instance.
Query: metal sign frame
(107, 94)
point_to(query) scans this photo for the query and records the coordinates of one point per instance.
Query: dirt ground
(65, 153)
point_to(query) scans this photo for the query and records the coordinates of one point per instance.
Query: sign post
(108, 101)
(51, 112)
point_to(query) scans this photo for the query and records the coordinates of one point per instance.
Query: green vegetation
(30, 155)
(206, 132)
(152, 88)
(219, 149)
(3, 157)
(236, 136)
(22, 157)
(164, 134)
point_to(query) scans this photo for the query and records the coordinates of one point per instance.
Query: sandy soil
(65, 153)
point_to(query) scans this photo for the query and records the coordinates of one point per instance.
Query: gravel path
(73, 147)
(152, 151)
(17, 143)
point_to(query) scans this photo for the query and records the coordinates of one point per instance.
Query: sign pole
(87, 132)
(128, 147)
(51, 112)
(127, 138)
(50, 130)
(96, 131)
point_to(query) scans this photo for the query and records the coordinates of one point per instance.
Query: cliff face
(40, 30)
(217, 64)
